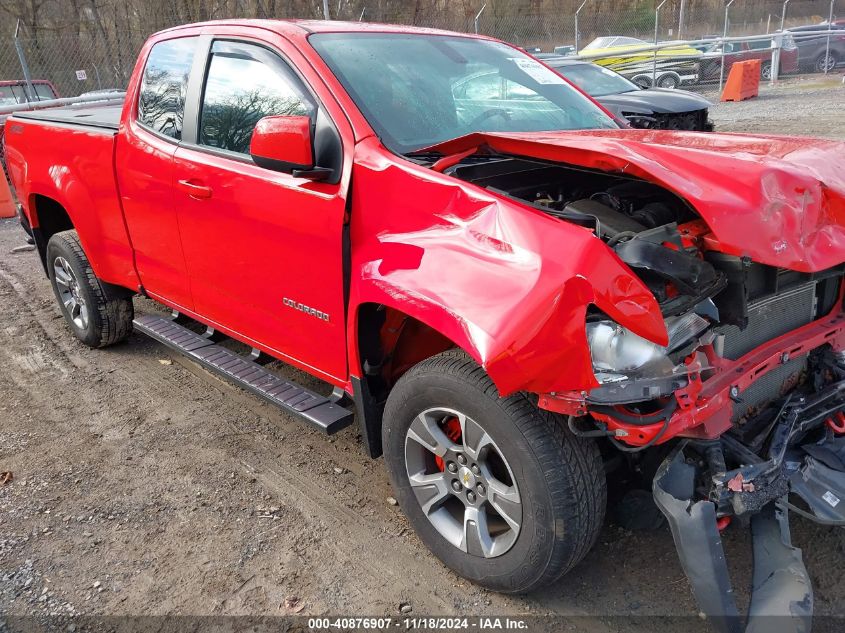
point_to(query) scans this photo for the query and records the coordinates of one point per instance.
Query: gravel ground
(144, 485)
(809, 105)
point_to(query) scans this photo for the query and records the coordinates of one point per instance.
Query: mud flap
(781, 585)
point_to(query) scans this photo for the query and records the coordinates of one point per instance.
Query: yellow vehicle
(676, 65)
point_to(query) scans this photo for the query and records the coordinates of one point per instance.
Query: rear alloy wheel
(498, 489)
(766, 71)
(95, 318)
(826, 62)
(70, 294)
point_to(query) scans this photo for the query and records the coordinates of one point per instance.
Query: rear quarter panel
(74, 166)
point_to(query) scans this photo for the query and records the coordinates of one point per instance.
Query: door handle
(195, 191)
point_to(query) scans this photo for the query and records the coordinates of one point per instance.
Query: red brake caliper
(452, 429)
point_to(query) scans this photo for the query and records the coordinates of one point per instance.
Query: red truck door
(264, 249)
(144, 169)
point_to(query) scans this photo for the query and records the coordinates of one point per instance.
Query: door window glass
(161, 105)
(246, 83)
(9, 95)
(44, 92)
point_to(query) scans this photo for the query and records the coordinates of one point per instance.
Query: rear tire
(766, 71)
(827, 62)
(94, 319)
(556, 490)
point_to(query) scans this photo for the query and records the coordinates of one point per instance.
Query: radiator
(769, 318)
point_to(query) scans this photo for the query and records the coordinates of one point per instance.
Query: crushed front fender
(505, 282)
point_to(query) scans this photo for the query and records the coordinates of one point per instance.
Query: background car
(812, 46)
(676, 65)
(644, 108)
(13, 92)
(711, 62)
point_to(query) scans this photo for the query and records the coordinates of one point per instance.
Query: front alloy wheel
(462, 482)
(497, 489)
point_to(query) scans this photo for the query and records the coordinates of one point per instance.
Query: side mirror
(284, 143)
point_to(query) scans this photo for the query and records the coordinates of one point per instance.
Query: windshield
(417, 90)
(596, 80)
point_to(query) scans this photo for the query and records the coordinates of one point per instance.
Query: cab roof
(304, 27)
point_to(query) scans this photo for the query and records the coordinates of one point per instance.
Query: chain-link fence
(101, 56)
(74, 64)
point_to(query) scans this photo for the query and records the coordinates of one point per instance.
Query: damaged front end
(748, 395)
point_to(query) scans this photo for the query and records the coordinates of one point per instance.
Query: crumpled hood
(778, 200)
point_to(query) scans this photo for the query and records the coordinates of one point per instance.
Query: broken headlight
(619, 354)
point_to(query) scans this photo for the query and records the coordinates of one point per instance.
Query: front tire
(94, 319)
(496, 488)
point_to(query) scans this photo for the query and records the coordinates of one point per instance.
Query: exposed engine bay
(638, 219)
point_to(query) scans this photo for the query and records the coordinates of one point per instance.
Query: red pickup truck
(522, 299)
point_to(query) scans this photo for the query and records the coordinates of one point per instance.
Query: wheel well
(389, 343)
(50, 218)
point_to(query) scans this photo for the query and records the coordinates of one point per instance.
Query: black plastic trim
(194, 90)
(370, 413)
(782, 595)
(31, 117)
(41, 245)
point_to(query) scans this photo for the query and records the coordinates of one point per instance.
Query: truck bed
(103, 116)
(67, 155)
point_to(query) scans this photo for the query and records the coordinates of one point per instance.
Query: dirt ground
(144, 485)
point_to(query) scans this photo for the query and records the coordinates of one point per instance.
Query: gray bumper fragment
(782, 595)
